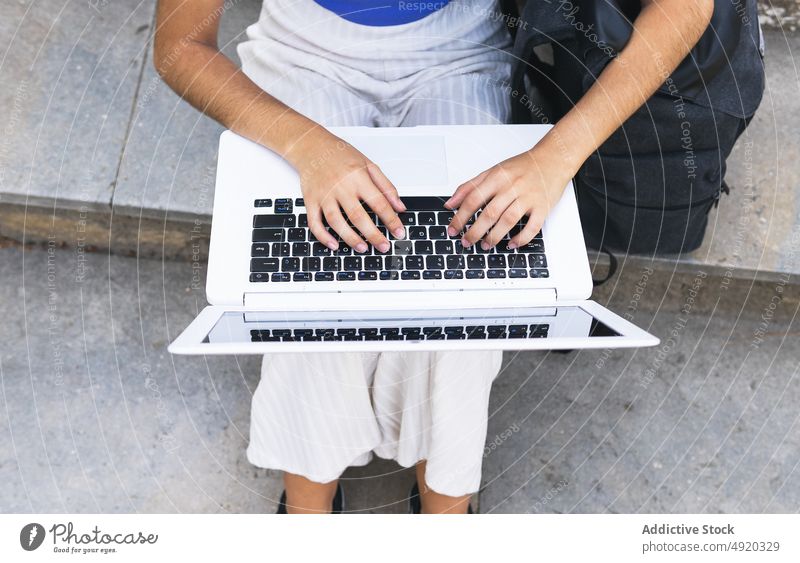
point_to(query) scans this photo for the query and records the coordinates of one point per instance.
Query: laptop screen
(480, 324)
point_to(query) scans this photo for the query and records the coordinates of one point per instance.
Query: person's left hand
(529, 184)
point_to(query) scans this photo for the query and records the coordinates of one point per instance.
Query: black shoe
(338, 502)
(415, 504)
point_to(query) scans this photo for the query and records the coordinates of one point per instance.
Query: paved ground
(96, 416)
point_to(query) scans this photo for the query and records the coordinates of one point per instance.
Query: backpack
(648, 188)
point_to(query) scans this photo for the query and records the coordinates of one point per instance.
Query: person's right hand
(335, 179)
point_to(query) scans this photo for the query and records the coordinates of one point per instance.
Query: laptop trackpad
(407, 160)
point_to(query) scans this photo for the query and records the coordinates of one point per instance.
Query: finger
(532, 226)
(358, 216)
(491, 213)
(379, 204)
(386, 187)
(508, 219)
(318, 228)
(336, 220)
(476, 199)
(464, 189)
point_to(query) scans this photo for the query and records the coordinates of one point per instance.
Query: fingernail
(361, 247)
(451, 231)
(383, 247)
(465, 243)
(400, 233)
(512, 245)
(333, 245)
(485, 245)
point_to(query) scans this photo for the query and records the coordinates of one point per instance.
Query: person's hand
(335, 179)
(529, 184)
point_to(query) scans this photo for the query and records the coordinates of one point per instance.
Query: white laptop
(273, 288)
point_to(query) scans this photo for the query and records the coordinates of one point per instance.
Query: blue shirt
(382, 12)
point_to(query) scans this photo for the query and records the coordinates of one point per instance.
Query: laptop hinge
(401, 300)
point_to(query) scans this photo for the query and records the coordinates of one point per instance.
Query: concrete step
(99, 153)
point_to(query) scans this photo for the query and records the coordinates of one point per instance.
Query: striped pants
(316, 414)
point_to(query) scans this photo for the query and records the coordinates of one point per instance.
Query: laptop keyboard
(420, 332)
(284, 249)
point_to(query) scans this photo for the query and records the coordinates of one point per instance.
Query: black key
(402, 247)
(332, 264)
(461, 249)
(323, 276)
(352, 263)
(533, 246)
(414, 263)
(407, 219)
(290, 265)
(283, 205)
(393, 263)
(377, 252)
(280, 249)
(345, 276)
(325, 333)
(517, 261)
(423, 247)
(517, 273)
(435, 262)
(389, 275)
(476, 262)
(476, 332)
(455, 262)
(297, 234)
(475, 274)
(264, 221)
(496, 261)
(426, 218)
(411, 332)
(537, 261)
(264, 265)
(368, 332)
(454, 331)
(494, 274)
(373, 263)
(259, 250)
(387, 330)
(410, 275)
(281, 277)
(268, 235)
(311, 264)
(444, 247)
(343, 250)
(425, 203)
(259, 277)
(437, 233)
(454, 274)
(299, 202)
(433, 332)
(417, 233)
(302, 276)
(263, 203)
(536, 273)
(319, 249)
(432, 275)
(496, 331)
(303, 332)
(367, 276)
(302, 220)
(444, 218)
(301, 249)
(282, 332)
(346, 332)
(517, 331)
(502, 247)
(479, 248)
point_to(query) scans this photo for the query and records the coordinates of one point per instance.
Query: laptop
(273, 288)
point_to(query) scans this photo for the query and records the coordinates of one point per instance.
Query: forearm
(213, 84)
(664, 33)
